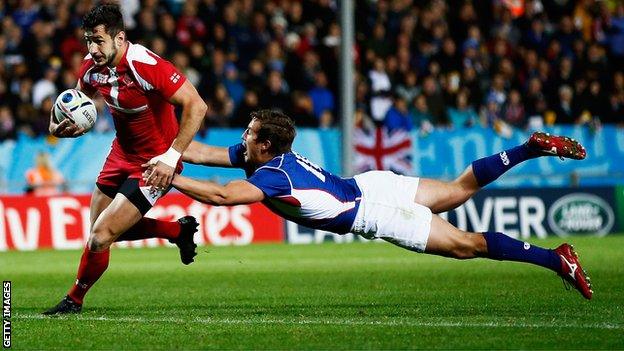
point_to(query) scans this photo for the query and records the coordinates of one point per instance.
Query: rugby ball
(74, 105)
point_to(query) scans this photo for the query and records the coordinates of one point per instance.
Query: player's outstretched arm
(193, 112)
(238, 192)
(207, 155)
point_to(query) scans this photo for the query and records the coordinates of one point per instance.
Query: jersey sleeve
(156, 73)
(84, 79)
(237, 159)
(272, 181)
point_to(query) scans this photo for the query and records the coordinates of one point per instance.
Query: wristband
(170, 158)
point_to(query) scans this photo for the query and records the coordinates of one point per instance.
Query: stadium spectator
(303, 108)
(26, 14)
(233, 85)
(513, 110)
(616, 110)
(447, 57)
(497, 93)
(322, 97)
(46, 86)
(310, 65)
(241, 114)
(398, 116)
(381, 87)
(534, 97)
(615, 35)
(220, 107)
(565, 110)
(598, 103)
(435, 102)
(256, 76)
(43, 179)
(199, 59)
(189, 26)
(274, 57)
(492, 113)
(7, 123)
(72, 44)
(408, 89)
(275, 95)
(421, 117)
(462, 115)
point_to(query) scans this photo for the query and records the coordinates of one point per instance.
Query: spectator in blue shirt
(462, 114)
(398, 116)
(322, 97)
(233, 85)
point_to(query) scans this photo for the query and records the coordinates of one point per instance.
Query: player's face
(102, 47)
(250, 140)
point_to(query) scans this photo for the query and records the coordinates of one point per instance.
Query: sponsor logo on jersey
(504, 158)
(99, 78)
(581, 213)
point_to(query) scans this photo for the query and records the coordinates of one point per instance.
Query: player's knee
(461, 191)
(464, 248)
(101, 239)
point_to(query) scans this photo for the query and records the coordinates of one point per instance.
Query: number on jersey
(310, 167)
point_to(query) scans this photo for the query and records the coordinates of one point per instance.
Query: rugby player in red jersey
(141, 90)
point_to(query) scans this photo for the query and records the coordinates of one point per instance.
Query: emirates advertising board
(62, 222)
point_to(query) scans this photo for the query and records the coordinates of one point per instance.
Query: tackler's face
(250, 140)
(102, 47)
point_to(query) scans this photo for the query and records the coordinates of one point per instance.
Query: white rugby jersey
(303, 192)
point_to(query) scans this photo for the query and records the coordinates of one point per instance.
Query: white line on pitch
(213, 321)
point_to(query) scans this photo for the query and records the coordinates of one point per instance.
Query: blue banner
(443, 154)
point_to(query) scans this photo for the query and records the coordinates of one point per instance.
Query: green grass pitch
(330, 296)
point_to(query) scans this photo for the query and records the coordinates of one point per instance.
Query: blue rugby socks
(503, 248)
(488, 169)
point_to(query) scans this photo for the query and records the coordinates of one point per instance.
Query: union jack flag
(380, 150)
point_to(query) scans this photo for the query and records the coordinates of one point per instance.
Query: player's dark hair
(107, 14)
(277, 128)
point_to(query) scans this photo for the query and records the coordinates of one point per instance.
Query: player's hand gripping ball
(74, 105)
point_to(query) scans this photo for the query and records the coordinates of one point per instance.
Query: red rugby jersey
(137, 92)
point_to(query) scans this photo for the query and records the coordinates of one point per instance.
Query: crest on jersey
(127, 80)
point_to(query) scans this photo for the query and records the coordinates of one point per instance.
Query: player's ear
(266, 145)
(120, 38)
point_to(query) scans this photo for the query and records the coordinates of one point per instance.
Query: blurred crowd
(420, 64)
